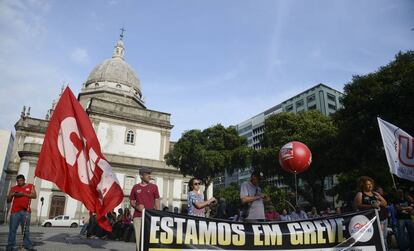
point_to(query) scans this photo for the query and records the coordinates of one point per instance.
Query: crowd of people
(395, 210)
(121, 223)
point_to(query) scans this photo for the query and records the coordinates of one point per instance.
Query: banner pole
(141, 238)
(296, 191)
(393, 181)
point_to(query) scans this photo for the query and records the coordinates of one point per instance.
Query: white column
(178, 184)
(24, 168)
(71, 207)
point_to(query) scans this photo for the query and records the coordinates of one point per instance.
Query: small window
(311, 98)
(299, 103)
(96, 84)
(331, 97)
(312, 107)
(129, 182)
(289, 108)
(118, 86)
(59, 218)
(130, 137)
(333, 107)
(66, 218)
(185, 188)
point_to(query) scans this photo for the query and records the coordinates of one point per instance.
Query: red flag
(71, 157)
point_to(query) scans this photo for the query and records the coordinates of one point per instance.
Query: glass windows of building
(299, 103)
(258, 130)
(289, 108)
(311, 98)
(331, 97)
(130, 137)
(312, 107)
(332, 107)
(245, 129)
(184, 188)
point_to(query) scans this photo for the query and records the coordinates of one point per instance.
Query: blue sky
(205, 62)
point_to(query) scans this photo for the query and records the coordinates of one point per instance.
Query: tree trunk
(207, 185)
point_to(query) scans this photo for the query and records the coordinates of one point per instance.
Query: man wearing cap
(143, 195)
(252, 198)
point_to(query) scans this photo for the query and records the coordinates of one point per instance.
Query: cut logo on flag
(399, 149)
(71, 157)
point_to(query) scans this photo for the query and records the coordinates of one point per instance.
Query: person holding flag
(20, 196)
(143, 195)
(71, 158)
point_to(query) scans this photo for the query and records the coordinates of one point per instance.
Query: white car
(62, 221)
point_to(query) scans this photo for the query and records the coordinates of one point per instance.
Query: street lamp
(41, 207)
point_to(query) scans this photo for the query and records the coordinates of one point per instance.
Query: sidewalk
(59, 239)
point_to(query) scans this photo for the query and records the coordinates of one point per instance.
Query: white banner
(399, 149)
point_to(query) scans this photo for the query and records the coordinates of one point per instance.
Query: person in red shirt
(143, 195)
(20, 196)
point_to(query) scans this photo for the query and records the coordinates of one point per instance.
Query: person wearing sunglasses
(195, 199)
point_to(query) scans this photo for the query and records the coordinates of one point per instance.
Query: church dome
(115, 70)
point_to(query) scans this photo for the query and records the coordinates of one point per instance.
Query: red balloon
(295, 157)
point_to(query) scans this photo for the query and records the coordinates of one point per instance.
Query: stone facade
(131, 137)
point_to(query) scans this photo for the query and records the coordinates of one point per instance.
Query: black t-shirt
(368, 200)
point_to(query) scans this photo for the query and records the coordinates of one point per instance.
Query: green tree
(231, 194)
(387, 93)
(204, 154)
(277, 197)
(313, 129)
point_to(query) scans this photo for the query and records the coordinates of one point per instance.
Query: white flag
(399, 148)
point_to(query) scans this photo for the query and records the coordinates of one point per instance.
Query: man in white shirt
(252, 198)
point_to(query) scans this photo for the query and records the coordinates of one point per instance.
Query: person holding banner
(252, 198)
(143, 195)
(195, 199)
(367, 198)
(20, 195)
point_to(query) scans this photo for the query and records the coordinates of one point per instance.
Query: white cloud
(96, 21)
(27, 78)
(281, 16)
(113, 2)
(80, 56)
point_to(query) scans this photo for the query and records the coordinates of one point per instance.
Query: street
(49, 239)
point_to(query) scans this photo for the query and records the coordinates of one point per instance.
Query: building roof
(115, 70)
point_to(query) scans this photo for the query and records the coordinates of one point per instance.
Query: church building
(131, 137)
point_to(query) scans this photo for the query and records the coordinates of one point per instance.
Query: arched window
(96, 85)
(118, 86)
(130, 137)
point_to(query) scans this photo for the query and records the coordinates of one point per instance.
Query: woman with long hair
(367, 198)
(195, 199)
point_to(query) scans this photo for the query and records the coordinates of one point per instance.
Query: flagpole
(382, 137)
(393, 181)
